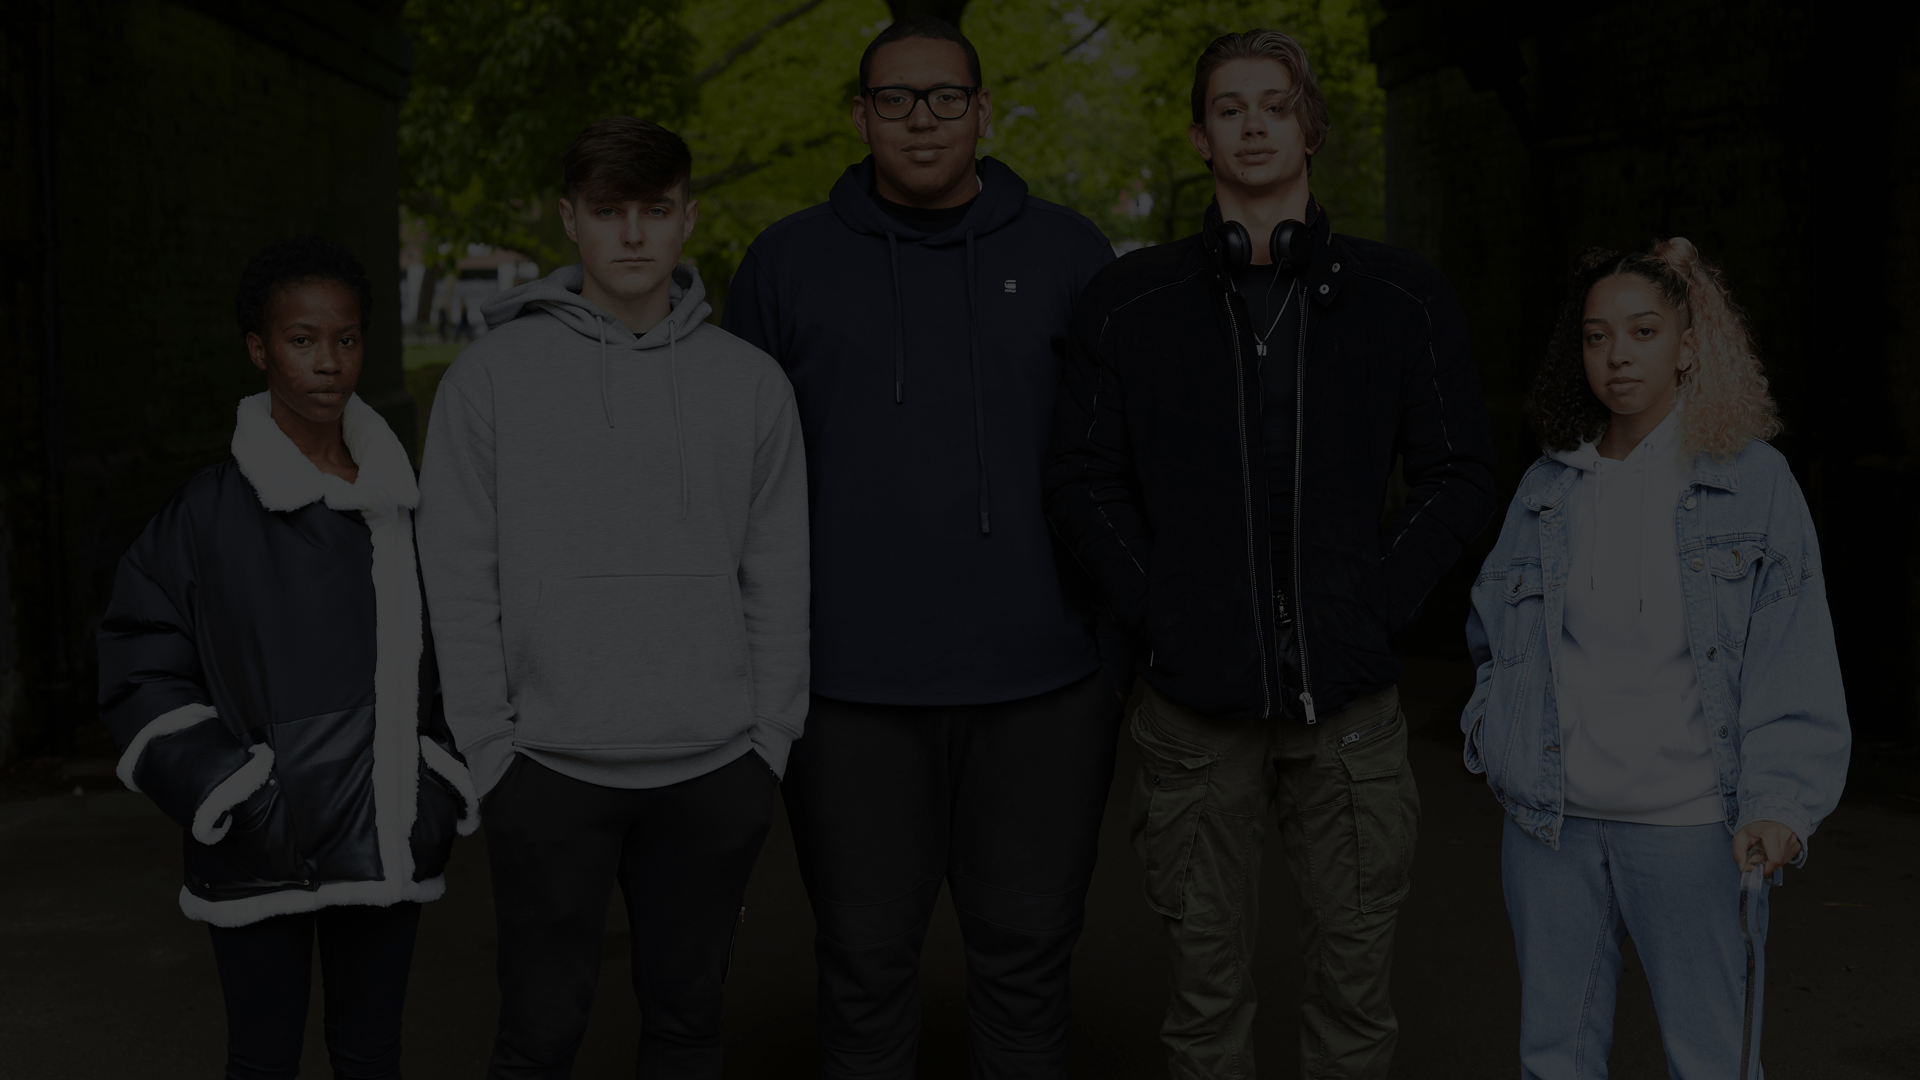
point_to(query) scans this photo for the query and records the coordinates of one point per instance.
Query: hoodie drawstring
(899, 352)
(673, 375)
(679, 439)
(1647, 474)
(973, 358)
(1647, 483)
(606, 405)
(1593, 529)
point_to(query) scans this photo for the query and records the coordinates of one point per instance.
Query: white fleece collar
(285, 480)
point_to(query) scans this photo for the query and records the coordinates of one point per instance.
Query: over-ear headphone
(1289, 246)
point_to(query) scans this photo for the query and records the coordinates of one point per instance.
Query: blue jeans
(1676, 892)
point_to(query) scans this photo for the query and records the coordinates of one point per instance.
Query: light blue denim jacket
(1757, 621)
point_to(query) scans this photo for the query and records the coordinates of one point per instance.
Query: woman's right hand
(1774, 842)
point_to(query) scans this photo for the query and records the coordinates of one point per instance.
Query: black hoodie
(925, 366)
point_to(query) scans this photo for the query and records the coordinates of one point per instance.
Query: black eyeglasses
(898, 102)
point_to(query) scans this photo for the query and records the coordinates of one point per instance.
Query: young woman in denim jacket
(1656, 671)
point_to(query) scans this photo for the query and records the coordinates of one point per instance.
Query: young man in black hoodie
(1233, 406)
(961, 727)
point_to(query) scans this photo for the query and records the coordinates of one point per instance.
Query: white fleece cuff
(436, 758)
(166, 723)
(232, 791)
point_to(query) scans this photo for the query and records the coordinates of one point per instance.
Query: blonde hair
(1725, 392)
(1258, 44)
(1723, 400)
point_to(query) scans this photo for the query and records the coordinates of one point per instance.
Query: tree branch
(746, 44)
(744, 167)
(1037, 68)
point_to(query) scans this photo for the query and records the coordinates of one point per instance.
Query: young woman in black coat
(266, 671)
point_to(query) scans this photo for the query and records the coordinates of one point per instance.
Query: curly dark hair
(1724, 387)
(292, 261)
(1560, 405)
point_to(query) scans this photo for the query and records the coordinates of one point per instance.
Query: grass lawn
(413, 357)
(422, 381)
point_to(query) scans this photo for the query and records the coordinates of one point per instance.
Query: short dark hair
(622, 158)
(294, 261)
(920, 26)
(1272, 45)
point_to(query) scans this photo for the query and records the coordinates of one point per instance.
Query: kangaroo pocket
(649, 662)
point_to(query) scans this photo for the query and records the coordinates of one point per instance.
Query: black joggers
(266, 969)
(681, 854)
(1003, 802)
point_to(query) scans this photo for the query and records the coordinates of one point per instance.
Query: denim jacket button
(1723, 731)
(1713, 651)
(1697, 564)
(1689, 503)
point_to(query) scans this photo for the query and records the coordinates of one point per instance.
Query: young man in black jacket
(961, 728)
(1232, 410)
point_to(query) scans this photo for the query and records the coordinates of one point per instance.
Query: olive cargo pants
(1348, 812)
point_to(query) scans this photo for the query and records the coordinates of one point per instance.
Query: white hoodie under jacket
(1634, 736)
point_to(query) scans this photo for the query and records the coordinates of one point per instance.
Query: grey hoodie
(613, 533)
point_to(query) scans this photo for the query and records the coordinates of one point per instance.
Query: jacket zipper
(1355, 736)
(1246, 490)
(1299, 443)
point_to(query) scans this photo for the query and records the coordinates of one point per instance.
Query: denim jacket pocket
(1732, 569)
(1172, 789)
(1524, 594)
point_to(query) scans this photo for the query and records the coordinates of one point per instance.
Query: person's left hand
(1776, 843)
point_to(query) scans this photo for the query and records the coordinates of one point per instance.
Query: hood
(1002, 196)
(558, 295)
(1664, 439)
(1657, 456)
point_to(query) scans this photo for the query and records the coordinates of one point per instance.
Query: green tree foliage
(773, 131)
(1093, 102)
(1090, 97)
(500, 87)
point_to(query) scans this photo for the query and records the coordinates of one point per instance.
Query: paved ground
(100, 975)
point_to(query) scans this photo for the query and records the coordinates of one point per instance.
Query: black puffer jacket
(266, 673)
(1157, 481)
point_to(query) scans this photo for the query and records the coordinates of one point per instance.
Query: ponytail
(1725, 394)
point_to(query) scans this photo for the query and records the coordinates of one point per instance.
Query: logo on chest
(1011, 285)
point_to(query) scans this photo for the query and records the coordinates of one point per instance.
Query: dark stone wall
(183, 136)
(1781, 139)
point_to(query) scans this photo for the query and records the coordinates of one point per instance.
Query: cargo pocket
(1386, 811)
(1167, 804)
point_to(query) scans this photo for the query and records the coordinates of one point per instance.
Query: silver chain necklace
(1260, 340)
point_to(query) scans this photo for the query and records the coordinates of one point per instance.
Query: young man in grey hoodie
(613, 532)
